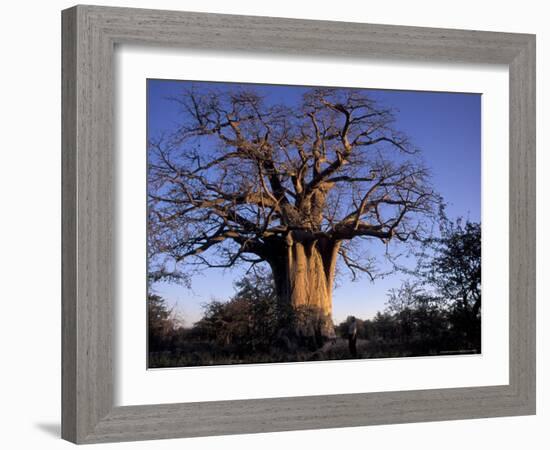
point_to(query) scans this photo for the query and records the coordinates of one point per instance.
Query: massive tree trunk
(303, 272)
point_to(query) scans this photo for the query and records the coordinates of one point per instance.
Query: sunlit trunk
(304, 279)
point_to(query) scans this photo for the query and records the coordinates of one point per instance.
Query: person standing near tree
(352, 336)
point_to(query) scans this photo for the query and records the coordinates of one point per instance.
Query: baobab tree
(297, 186)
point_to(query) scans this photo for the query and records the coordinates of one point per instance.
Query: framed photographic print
(305, 210)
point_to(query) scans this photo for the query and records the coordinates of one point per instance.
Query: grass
(209, 354)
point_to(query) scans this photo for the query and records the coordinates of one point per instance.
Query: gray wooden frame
(89, 36)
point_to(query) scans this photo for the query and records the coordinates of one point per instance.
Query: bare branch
(238, 174)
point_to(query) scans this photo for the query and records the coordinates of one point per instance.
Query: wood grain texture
(68, 226)
(88, 207)
(89, 36)
(523, 224)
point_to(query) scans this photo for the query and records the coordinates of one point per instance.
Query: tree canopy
(240, 176)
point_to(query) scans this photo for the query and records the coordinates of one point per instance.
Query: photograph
(292, 224)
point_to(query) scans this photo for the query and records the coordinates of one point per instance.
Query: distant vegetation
(437, 311)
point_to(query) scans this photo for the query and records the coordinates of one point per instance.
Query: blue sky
(446, 127)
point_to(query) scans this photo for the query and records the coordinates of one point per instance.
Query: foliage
(161, 323)
(248, 321)
(455, 273)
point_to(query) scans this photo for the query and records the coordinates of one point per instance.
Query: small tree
(161, 323)
(420, 317)
(455, 271)
(248, 321)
